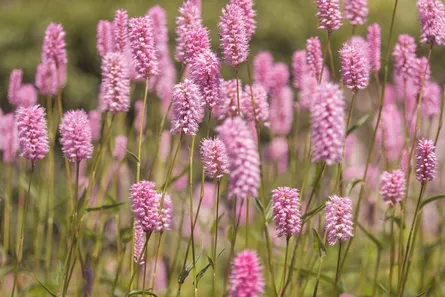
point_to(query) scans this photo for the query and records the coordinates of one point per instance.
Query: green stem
(439, 127)
(237, 90)
(331, 57)
(158, 248)
(50, 185)
(141, 130)
(320, 264)
(215, 246)
(7, 208)
(392, 248)
(337, 274)
(283, 280)
(192, 150)
(376, 273)
(133, 274)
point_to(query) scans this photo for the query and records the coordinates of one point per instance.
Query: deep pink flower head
(139, 110)
(309, 85)
(314, 57)
(228, 106)
(404, 55)
(374, 46)
(426, 161)
(354, 67)
(32, 132)
(196, 42)
(27, 95)
(46, 78)
(279, 77)
(233, 35)
(187, 108)
(190, 18)
(104, 37)
(329, 15)
(120, 28)
(391, 129)
(249, 14)
(286, 209)
(139, 242)
(9, 142)
(299, 68)
(15, 82)
(145, 204)
(214, 157)
(94, 117)
(244, 159)
(75, 136)
(205, 72)
(143, 47)
(392, 186)
(164, 219)
(422, 73)
(432, 21)
(328, 124)
(339, 224)
(356, 11)
(259, 95)
(431, 100)
(262, 69)
(281, 111)
(54, 45)
(115, 83)
(246, 279)
(120, 147)
(158, 18)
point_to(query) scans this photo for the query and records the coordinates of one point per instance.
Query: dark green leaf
(126, 234)
(142, 292)
(201, 273)
(212, 230)
(259, 205)
(230, 233)
(313, 212)
(351, 186)
(396, 219)
(360, 122)
(269, 210)
(431, 199)
(371, 237)
(188, 268)
(423, 293)
(45, 287)
(383, 287)
(133, 155)
(105, 207)
(319, 245)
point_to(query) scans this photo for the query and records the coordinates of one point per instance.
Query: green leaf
(176, 177)
(142, 292)
(360, 122)
(212, 230)
(188, 268)
(201, 273)
(351, 185)
(133, 155)
(126, 234)
(230, 233)
(105, 207)
(259, 205)
(396, 220)
(45, 287)
(313, 212)
(319, 245)
(371, 237)
(269, 210)
(423, 293)
(431, 199)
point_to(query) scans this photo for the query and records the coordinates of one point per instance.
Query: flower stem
(158, 248)
(392, 248)
(283, 281)
(138, 172)
(439, 127)
(320, 264)
(133, 274)
(215, 246)
(376, 272)
(337, 274)
(50, 184)
(237, 90)
(192, 151)
(331, 57)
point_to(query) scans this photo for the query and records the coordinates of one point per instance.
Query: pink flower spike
(214, 157)
(262, 69)
(339, 224)
(329, 15)
(15, 82)
(328, 124)
(32, 132)
(404, 55)
(261, 105)
(426, 161)
(279, 77)
(120, 147)
(286, 208)
(75, 136)
(375, 44)
(246, 279)
(27, 95)
(356, 11)
(196, 42)
(164, 220)
(432, 21)
(314, 57)
(392, 186)
(115, 83)
(233, 35)
(431, 100)
(228, 106)
(46, 78)
(249, 14)
(104, 37)
(54, 45)
(354, 67)
(9, 143)
(120, 28)
(422, 73)
(158, 18)
(308, 88)
(94, 116)
(190, 18)
(145, 204)
(187, 108)
(282, 111)
(143, 47)
(139, 242)
(299, 68)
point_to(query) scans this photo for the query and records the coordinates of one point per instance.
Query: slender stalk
(351, 108)
(392, 248)
(337, 274)
(148, 235)
(7, 207)
(192, 151)
(158, 248)
(141, 130)
(50, 184)
(376, 273)
(247, 223)
(215, 246)
(283, 281)
(237, 90)
(320, 264)
(19, 253)
(331, 57)
(439, 127)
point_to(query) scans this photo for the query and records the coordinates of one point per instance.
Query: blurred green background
(283, 26)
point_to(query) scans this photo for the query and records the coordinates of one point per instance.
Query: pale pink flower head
(328, 124)
(356, 11)
(32, 132)
(329, 15)
(246, 279)
(214, 157)
(9, 142)
(165, 81)
(164, 220)
(158, 18)
(27, 95)
(205, 73)
(278, 151)
(390, 133)
(189, 19)
(187, 108)
(228, 106)
(286, 209)
(115, 83)
(244, 159)
(120, 147)
(404, 55)
(54, 45)
(314, 57)
(432, 21)
(94, 117)
(262, 69)
(249, 15)
(374, 46)
(75, 136)
(139, 242)
(422, 73)
(143, 47)
(431, 100)
(104, 37)
(196, 42)
(120, 28)
(339, 226)
(259, 96)
(392, 186)
(354, 67)
(145, 204)
(299, 68)
(390, 94)
(282, 111)
(15, 82)
(426, 161)
(309, 85)
(279, 77)
(233, 35)
(46, 78)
